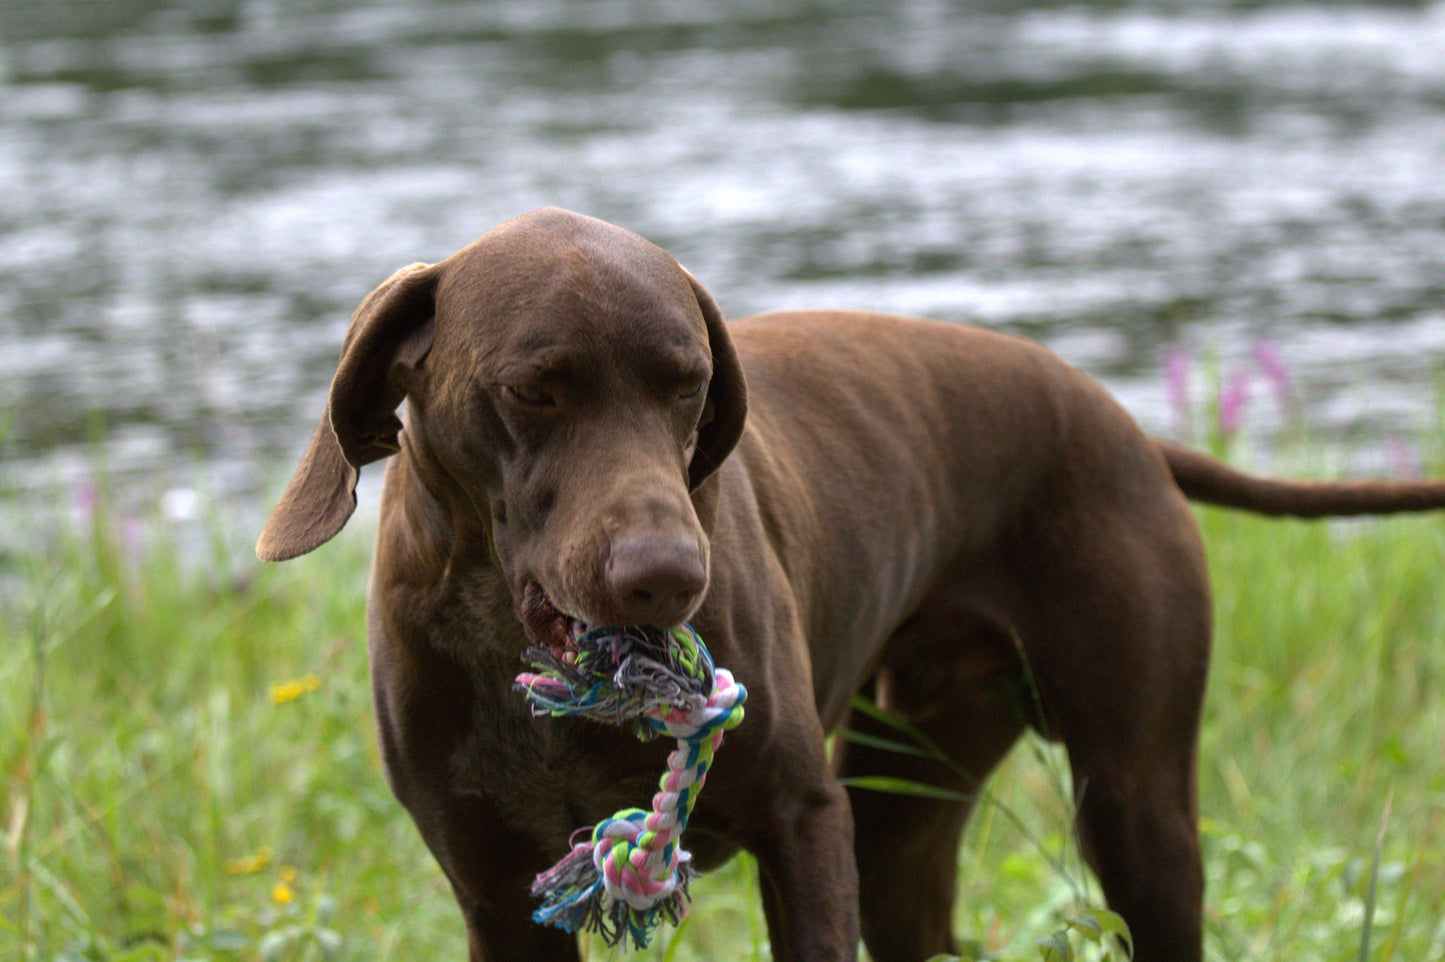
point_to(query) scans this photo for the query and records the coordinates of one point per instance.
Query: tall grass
(189, 769)
(1328, 697)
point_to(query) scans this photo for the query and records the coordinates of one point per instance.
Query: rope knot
(631, 873)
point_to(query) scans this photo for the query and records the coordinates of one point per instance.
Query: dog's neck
(444, 551)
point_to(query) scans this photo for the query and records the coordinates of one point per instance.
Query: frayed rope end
(575, 899)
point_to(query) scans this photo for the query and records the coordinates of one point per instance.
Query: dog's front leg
(491, 870)
(809, 878)
(494, 936)
(489, 859)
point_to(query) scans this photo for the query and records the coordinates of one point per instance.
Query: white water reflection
(192, 202)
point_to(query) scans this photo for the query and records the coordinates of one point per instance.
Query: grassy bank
(189, 769)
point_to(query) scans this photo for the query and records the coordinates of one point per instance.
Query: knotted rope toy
(631, 872)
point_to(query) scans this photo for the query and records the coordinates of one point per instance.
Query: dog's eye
(691, 391)
(531, 395)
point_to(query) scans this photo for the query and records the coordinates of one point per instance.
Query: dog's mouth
(545, 623)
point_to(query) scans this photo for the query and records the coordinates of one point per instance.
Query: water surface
(194, 196)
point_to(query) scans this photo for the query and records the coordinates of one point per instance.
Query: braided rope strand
(631, 873)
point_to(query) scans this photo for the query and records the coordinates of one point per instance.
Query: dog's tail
(1203, 478)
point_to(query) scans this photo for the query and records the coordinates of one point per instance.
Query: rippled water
(194, 196)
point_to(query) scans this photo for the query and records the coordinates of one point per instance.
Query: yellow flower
(249, 864)
(282, 892)
(284, 691)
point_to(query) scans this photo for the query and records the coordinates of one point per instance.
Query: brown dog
(951, 520)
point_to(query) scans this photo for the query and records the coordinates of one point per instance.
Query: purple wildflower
(1402, 460)
(1232, 402)
(1267, 356)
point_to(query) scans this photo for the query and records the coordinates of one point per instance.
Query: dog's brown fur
(951, 520)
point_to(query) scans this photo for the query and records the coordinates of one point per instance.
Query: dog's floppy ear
(390, 333)
(726, 407)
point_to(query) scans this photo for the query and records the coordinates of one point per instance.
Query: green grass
(162, 798)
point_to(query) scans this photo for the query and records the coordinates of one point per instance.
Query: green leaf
(902, 786)
(1056, 948)
(1097, 923)
(1087, 924)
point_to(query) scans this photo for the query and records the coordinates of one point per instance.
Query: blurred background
(1224, 210)
(1233, 213)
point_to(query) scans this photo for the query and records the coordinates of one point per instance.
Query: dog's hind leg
(907, 845)
(1141, 841)
(1119, 650)
(1135, 794)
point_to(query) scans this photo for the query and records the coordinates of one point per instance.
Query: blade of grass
(927, 748)
(903, 786)
(885, 744)
(862, 705)
(1371, 890)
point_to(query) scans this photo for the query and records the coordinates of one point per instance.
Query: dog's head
(571, 391)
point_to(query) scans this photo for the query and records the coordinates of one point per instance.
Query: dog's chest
(546, 777)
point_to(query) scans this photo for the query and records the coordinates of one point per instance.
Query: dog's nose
(655, 580)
